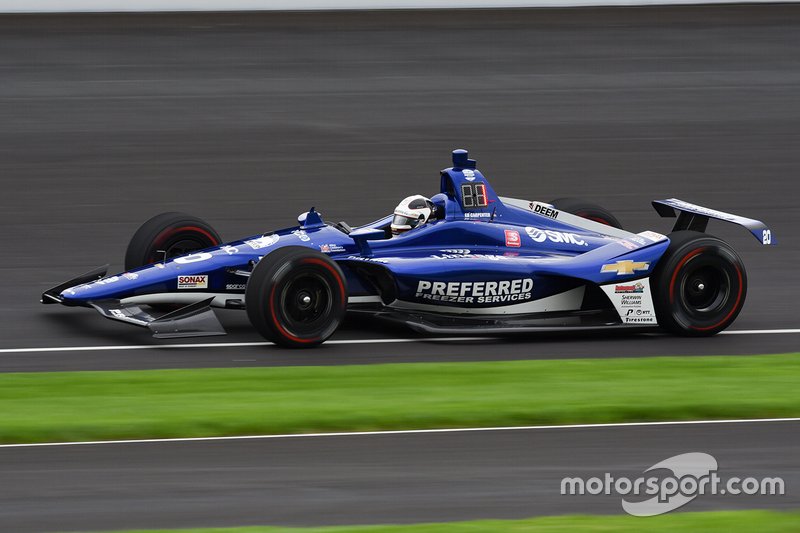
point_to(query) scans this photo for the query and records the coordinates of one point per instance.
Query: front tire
(296, 297)
(174, 234)
(699, 285)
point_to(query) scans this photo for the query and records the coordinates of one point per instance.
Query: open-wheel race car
(462, 261)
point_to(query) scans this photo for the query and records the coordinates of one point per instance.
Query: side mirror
(362, 235)
(367, 234)
(310, 219)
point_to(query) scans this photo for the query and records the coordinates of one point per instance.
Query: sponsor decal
(301, 234)
(634, 316)
(230, 250)
(456, 251)
(478, 214)
(104, 281)
(469, 174)
(625, 268)
(130, 275)
(512, 238)
(538, 235)
(471, 256)
(545, 211)
(262, 242)
(194, 258)
(638, 240)
(653, 236)
(330, 248)
(476, 292)
(713, 213)
(636, 287)
(117, 313)
(629, 245)
(160, 265)
(633, 301)
(367, 259)
(193, 282)
(235, 287)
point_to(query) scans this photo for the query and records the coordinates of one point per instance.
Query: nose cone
(102, 289)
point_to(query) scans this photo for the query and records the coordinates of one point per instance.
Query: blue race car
(463, 261)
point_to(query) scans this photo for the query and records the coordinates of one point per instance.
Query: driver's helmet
(411, 213)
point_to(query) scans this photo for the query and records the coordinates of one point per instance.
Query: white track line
(333, 342)
(222, 345)
(405, 432)
(759, 331)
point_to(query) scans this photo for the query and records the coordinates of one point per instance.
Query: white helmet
(411, 213)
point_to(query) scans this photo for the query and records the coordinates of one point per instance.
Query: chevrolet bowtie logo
(624, 268)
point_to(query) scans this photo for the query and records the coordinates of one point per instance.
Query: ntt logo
(682, 478)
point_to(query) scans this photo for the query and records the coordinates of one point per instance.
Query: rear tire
(699, 285)
(588, 210)
(296, 297)
(175, 233)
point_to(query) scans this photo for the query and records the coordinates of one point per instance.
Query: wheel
(699, 285)
(296, 297)
(588, 210)
(174, 233)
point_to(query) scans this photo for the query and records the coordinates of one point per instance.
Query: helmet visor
(401, 221)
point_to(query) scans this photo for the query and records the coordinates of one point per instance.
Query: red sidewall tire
(587, 210)
(276, 293)
(175, 233)
(699, 285)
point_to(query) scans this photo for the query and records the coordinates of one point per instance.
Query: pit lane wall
(111, 6)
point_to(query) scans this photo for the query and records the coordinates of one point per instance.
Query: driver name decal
(476, 292)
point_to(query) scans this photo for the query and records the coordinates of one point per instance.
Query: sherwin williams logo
(193, 282)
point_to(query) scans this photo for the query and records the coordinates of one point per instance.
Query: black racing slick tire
(699, 285)
(169, 235)
(587, 210)
(296, 297)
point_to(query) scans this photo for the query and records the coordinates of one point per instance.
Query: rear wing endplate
(695, 217)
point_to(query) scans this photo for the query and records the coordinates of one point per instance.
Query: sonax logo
(193, 282)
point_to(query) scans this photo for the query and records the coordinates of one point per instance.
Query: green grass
(39, 407)
(710, 522)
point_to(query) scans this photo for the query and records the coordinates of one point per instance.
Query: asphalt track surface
(248, 120)
(372, 478)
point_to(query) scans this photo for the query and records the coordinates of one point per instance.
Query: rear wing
(695, 217)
